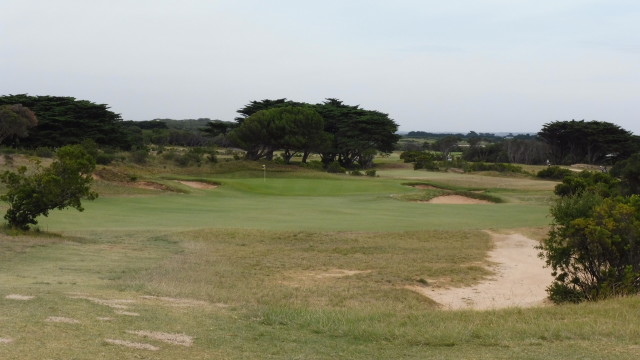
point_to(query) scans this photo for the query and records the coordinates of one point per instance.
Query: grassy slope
(267, 272)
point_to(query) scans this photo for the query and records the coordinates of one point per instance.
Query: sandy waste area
(520, 279)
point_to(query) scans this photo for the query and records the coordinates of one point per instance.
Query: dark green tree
(63, 184)
(357, 134)
(292, 128)
(592, 142)
(446, 144)
(266, 104)
(65, 120)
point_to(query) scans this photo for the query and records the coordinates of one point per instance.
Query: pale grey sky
(455, 65)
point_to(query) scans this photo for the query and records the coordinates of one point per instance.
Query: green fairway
(327, 205)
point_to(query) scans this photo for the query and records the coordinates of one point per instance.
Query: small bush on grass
(314, 165)
(44, 152)
(498, 167)
(139, 156)
(370, 172)
(335, 168)
(63, 184)
(554, 173)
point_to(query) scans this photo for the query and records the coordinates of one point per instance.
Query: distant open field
(299, 265)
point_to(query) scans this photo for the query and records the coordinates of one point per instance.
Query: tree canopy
(15, 121)
(63, 184)
(65, 120)
(592, 142)
(292, 128)
(357, 134)
(347, 134)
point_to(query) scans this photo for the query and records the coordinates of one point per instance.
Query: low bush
(554, 173)
(335, 168)
(498, 167)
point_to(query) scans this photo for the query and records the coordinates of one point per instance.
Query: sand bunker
(132, 345)
(198, 185)
(19, 297)
(60, 319)
(174, 339)
(520, 281)
(456, 200)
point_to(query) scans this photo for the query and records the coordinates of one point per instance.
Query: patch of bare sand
(198, 184)
(61, 319)
(19, 297)
(132, 345)
(174, 339)
(126, 313)
(113, 303)
(303, 278)
(520, 279)
(178, 302)
(456, 200)
(5, 340)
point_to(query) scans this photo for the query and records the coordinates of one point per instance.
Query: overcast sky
(446, 65)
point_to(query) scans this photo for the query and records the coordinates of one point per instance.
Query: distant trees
(341, 133)
(63, 184)
(15, 121)
(292, 128)
(591, 142)
(357, 134)
(65, 120)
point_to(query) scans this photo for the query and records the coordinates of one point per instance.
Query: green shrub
(314, 165)
(356, 173)
(593, 247)
(335, 168)
(498, 167)
(105, 159)
(44, 152)
(139, 156)
(63, 184)
(427, 161)
(371, 172)
(554, 173)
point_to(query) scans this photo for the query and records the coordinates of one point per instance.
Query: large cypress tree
(66, 120)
